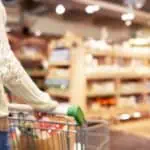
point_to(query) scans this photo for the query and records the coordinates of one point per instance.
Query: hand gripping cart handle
(69, 110)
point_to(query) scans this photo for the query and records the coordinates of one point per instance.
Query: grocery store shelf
(117, 75)
(120, 53)
(58, 93)
(37, 73)
(59, 64)
(101, 53)
(112, 113)
(100, 75)
(131, 54)
(26, 58)
(131, 92)
(122, 93)
(58, 77)
(42, 86)
(100, 94)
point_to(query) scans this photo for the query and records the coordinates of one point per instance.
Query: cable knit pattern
(13, 76)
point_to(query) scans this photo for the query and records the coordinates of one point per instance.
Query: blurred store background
(94, 53)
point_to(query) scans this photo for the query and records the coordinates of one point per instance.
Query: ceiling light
(128, 23)
(129, 2)
(90, 9)
(135, 3)
(139, 3)
(128, 16)
(60, 9)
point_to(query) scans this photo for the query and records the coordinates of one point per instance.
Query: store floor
(123, 141)
(134, 135)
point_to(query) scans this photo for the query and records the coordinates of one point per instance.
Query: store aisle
(123, 141)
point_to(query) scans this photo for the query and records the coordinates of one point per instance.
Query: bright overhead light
(139, 3)
(135, 3)
(60, 9)
(128, 16)
(90, 9)
(128, 23)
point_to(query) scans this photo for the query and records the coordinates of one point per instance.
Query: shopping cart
(54, 132)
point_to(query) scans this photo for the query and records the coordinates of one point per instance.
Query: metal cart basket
(55, 133)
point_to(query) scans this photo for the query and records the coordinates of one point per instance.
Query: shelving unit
(122, 76)
(31, 52)
(59, 64)
(26, 58)
(58, 77)
(136, 79)
(100, 94)
(76, 92)
(37, 73)
(59, 93)
(112, 74)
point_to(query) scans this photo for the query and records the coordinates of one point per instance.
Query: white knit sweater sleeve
(14, 76)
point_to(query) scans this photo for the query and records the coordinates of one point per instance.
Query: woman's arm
(16, 79)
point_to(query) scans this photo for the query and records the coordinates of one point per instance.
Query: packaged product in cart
(57, 133)
(42, 135)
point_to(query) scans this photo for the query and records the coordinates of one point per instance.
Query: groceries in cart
(44, 131)
(33, 134)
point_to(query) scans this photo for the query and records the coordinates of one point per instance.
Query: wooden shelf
(120, 53)
(59, 64)
(42, 86)
(120, 75)
(79, 93)
(101, 53)
(131, 54)
(132, 92)
(37, 73)
(122, 93)
(26, 58)
(113, 112)
(100, 75)
(58, 93)
(100, 94)
(58, 77)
